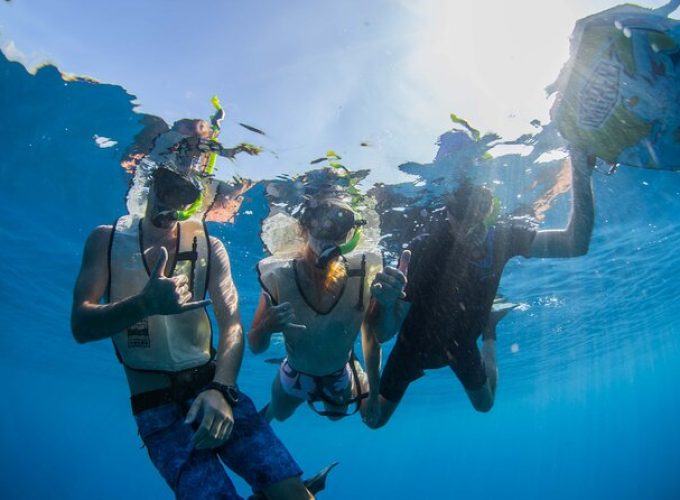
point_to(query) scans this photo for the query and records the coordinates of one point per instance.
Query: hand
(217, 422)
(165, 296)
(388, 285)
(279, 318)
(250, 149)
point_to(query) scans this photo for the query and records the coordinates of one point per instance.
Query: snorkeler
(453, 277)
(153, 275)
(320, 298)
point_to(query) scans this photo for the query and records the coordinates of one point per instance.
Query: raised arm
(270, 319)
(91, 320)
(385, 311)
(573, 241)
(260, 332)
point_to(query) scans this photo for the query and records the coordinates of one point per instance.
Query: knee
(375, 424)
(278, 414)
(483, 406)
(280, 417)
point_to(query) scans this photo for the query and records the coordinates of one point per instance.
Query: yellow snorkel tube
(216, 123)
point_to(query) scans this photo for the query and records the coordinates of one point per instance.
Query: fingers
(404, 261)
(202, 437)
(159, 267)
(181, 280)
(283, 313)
(390, 277)
(193, 411)
(396, 274)
(293, 327)
(285, 318)
(189, 306)
(215, 429)
(225, 431)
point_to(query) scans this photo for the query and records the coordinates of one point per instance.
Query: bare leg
(483, 399)
(351, 392)
(387, 409)
(282, 405)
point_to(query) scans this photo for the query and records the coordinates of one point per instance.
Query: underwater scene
(391, 249)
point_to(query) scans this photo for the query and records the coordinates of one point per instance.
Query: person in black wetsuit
(453, 277)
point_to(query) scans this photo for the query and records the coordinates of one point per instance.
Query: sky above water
(374, 81)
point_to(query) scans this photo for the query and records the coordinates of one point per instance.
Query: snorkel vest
(161, 343)
(280, 279)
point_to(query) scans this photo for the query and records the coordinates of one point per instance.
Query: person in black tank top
(453, 278)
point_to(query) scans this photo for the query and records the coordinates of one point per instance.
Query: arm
(217, 419)
(386, 312)
(372, 357)
(260, 335)
(270, 319)
(90, 320)
(384, 321)
(93, 321)
(225, 304)
(575, 239)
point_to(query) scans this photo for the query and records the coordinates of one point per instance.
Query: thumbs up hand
(279, 318)
(165, 296)
(389, 285)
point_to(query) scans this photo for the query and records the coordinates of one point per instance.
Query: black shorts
(407, 364)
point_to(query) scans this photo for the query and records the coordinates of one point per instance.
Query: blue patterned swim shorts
(253, 452)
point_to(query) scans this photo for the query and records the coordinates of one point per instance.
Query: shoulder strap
(108, 259)
(359, 273)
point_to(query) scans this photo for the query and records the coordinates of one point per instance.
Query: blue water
(587, 404)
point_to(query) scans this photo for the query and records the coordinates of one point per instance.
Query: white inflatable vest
(279, 279)
(161, 343)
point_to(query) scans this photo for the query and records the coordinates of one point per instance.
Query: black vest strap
(318, 395)
(359, 273)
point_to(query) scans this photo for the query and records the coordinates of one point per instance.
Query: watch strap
(230, 392)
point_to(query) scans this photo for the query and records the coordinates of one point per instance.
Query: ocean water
(587, 403)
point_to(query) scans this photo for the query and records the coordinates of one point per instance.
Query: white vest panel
(161, 343)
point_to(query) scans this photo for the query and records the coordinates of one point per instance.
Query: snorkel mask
(188, 188)
(330, 222)
(173, 190)
(475, 204)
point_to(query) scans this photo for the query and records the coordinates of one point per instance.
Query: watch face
(233, 393)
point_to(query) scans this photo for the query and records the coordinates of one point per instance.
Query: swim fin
(274, 361)
(317, 482)
(500, 308)
(314, 484)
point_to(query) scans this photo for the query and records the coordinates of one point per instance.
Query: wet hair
(185, 123)
(334, 272)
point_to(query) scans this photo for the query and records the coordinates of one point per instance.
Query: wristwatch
(230, 392)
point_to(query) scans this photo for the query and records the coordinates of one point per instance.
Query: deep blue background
(587, 406)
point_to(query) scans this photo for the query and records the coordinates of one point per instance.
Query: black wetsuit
(451, 288)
